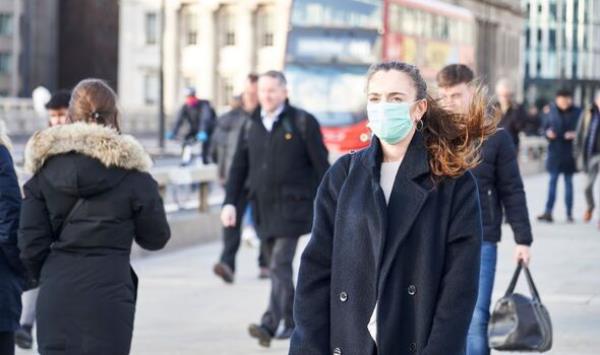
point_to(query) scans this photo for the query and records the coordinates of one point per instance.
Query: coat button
(337, 351)
(343, 296)
(412, 347)
(412, 290)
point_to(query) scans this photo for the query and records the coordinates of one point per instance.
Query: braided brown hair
(93, 101)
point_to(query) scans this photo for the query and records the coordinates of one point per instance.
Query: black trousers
(232, 237)
(281, 252)
(7, 343)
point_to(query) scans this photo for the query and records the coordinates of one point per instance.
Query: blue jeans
(568, 193)
(477, 340)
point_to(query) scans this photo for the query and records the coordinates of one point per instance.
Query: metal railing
(19, 116)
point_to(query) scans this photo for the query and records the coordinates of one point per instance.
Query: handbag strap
(530, 283)
(532, 288)
(70, 215)
(513, 281)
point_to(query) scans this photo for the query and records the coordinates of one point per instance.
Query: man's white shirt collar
(270, 119)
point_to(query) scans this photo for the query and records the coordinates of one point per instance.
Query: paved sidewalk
(184, 309)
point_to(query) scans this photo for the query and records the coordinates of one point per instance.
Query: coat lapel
(406, 201)
(371, 159)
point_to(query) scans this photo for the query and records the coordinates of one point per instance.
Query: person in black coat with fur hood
(392, 265)
(90, 197)
(11, 268)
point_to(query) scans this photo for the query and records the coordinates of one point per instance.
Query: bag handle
(515, 278)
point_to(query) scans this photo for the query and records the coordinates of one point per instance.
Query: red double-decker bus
(430, 34)
(331, 44)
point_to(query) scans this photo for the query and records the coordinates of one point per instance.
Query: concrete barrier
(188, 228)
(189, 175)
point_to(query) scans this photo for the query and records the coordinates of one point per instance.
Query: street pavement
(183, 309)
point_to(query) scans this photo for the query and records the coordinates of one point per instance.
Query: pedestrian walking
(282, 155)
(57, 108)
(90, 197)
(559, 126)
(587, 145)
(12, 273)
(392, 266)
(500, 189)
(200, 118)
(514, 117)
(225, 140)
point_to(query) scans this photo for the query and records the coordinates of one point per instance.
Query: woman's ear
(419, 109)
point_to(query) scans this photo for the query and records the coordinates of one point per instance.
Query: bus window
(395, 19)
(427, 23)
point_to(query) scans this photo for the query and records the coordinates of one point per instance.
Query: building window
(6, 24)
(191, 28)
(265, 26)
(553, 11)
(151, 89)
(151, 28)
(227, 27)
(5, 63)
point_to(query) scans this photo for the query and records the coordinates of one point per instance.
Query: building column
(207, 42)
(246, 32)
(171, 55)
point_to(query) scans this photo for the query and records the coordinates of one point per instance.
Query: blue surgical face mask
(390, 122)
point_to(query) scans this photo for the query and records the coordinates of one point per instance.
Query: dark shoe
(261, 333)
(570, 219)
(23, 337)
(587, 216)
(224, 271)
(285, 334)
(546, 217)
(264, 273)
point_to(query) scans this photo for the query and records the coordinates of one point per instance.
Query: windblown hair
(452, 140)
(93, 101)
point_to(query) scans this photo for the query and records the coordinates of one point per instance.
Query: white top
(389, 170)
(388, 176)
(269, 119)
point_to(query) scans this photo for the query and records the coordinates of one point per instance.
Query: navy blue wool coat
(11, 269)
(418, 257)
(500, 185)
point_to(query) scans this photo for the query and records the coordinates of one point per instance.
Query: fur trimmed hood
(95, 141)
(4, 139)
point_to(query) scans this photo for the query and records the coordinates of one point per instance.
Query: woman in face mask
(393, 262)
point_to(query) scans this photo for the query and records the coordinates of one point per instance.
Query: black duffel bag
(520, 323)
